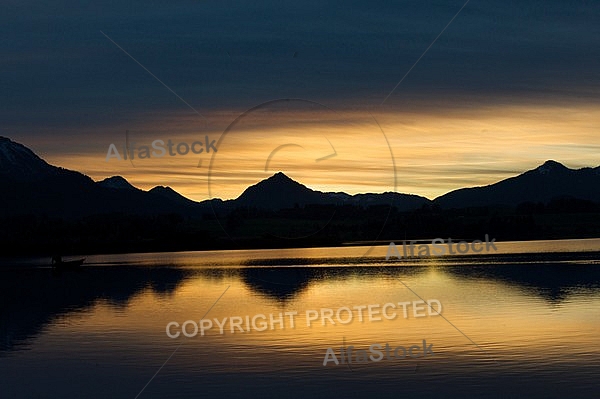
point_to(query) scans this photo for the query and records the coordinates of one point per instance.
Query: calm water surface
(520, 322)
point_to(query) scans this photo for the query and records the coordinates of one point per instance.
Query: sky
(341, 96)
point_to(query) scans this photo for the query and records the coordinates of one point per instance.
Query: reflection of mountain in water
(34, 298)
(554, 282)
(552, 276)
(284, 283)
(278, 283)
(284, 278)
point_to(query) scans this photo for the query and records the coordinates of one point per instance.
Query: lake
(522, 321)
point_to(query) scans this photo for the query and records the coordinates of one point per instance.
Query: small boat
(67, 265)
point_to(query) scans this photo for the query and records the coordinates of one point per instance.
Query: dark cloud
(57, 69)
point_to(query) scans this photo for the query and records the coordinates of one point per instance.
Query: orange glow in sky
(434, 151)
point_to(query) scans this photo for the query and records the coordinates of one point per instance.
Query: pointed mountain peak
(278, 191)
(552, 163)
(280, 176)
(551, 166)
(117, 182)
(279, 179)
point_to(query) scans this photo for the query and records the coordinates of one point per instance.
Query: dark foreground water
(520, 322)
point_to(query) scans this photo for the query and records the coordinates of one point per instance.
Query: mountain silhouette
(19, 163)
(280, 192)
(44, 208)
(549, 181)
(117, 182)
(171, 195)
(32, 186)
(277, 192)
(37, 187)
